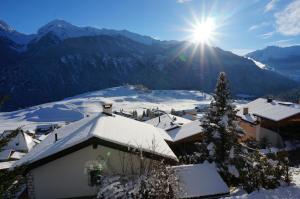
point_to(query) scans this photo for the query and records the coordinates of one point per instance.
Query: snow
(22, 142)
(283, 192)
(211, 148)
(200, 180)
(233, 170)
(167, 121)
(115, 129)
(6, 165)
(185, 131)
(257, 63)
(75, 108)
(8, 32)
(17, 155)
(274, 110)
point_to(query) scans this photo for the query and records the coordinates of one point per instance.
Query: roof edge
(92, 141)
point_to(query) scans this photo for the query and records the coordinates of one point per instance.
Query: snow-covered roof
(115, 129)
(5, 154)
(275, 110)
(185, 131)
(6, 165)
(17, 155)
(21, 142)
(167, 121)
(199, 180)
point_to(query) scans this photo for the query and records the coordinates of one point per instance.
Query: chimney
(55, 137)
(107, 108)
(245, 110)
(269, 100)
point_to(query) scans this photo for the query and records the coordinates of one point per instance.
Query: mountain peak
(54, 25)
(5, 27)
(64, 30)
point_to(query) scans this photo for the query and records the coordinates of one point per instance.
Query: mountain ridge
(283, 60)
(52, 69)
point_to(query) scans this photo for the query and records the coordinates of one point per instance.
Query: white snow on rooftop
(199, 180)
(17, 155)
(167, 121)
(185, 131)
(6, 165)
(274, 110)
(116, 129)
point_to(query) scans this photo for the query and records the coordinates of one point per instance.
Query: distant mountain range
(63, 60)
(283, 60)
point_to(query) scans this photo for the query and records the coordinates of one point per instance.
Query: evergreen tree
(221, 131)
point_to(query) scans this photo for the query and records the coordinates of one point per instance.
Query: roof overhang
(96, 141)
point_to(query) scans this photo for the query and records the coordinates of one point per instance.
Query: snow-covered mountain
(8, 32)
(64, 30)
(283, 60)
(65, 60)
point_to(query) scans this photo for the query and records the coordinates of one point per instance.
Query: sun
(204, 31)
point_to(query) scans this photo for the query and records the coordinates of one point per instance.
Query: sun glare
(204, 31)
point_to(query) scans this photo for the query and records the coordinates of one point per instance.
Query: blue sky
(242, 25)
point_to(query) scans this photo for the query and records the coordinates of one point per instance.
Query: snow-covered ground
(75, 108)
(283, 192)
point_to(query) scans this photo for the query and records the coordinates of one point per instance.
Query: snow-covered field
(75, 108)
(283, 192)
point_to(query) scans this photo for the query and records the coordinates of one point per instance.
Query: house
(182, 139)
(270, 120)
(178, 132)
(61, 166)
(22, 141)
(200, 181)
(167, 121)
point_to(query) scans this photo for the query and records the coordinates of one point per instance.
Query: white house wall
(67, 176)
(272, 137)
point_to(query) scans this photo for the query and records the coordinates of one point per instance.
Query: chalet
(270, 120)
(59, 167)
(167, 121)
(200, 181)
(22, 142)
(178, 132)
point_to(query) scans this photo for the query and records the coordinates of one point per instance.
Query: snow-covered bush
(159, 182)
